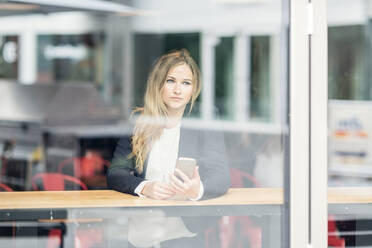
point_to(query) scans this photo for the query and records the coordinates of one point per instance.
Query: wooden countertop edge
(110, 198)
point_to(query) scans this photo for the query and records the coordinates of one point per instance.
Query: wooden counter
(345, 195)
(102, 203)
(111, 206)
(110, 198)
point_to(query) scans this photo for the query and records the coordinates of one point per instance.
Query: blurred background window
(224, 77)
(70, 58)
(260, 71)
(348, 74)
(9, 57)
(349, 112)
(148, 47)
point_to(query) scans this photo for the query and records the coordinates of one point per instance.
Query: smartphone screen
(187, 166)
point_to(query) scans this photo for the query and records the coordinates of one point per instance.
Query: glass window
(255, 159)
(347, 70)
(260, 77)
(9, 53)
(224, 78)
(70, 58)
(58, 134)
(349, 124)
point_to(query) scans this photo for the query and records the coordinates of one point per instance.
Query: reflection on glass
(260, 74)
(347, 70)
(350, 125)
(9, 57)
(234, 122)
(70, 58)
(224, 76)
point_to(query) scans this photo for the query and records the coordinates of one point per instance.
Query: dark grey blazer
(206, 146)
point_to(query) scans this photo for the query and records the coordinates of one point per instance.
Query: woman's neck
(173, 119)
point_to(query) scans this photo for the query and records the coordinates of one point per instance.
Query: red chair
(237, 231)
(333, 238)
(84, 238)
(4, 187)
(55, 181)
(87, 166)
(238, 176)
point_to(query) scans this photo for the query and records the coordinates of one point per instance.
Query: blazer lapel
(188, 145)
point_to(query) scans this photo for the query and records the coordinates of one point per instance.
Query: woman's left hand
(188, 187)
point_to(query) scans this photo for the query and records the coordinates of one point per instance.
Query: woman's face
(178, 88)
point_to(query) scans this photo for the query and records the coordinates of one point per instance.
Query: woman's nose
(177, 88)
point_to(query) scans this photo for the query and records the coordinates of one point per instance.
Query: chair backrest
(71, 163)
(334, 238)
(238, 177)
(86, 166)
(4, 187)
(56, 181)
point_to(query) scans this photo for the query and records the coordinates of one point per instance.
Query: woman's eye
(170, 81)
(187, 83)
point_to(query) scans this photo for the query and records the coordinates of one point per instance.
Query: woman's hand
(185, 186)
(157, 190)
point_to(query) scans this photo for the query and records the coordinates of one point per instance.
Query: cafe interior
(285, 82)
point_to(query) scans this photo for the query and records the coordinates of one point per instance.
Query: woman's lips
(176, 98)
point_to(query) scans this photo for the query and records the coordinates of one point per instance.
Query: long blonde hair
(150, 122)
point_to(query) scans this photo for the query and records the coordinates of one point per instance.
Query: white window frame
(308, 124)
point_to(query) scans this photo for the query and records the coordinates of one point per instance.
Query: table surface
(110, 198)
(349, 195)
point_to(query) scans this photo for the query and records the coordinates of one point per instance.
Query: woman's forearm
(120, 179)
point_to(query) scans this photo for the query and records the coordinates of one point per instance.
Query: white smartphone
(186, 165)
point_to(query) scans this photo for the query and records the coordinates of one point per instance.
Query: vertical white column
(318, 125)
(208, 43)
(242, 77)
(299, 126)
(27, 63)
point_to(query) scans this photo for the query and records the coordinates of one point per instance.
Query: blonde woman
(145, 164)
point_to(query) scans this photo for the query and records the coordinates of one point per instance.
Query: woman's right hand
(157, 190)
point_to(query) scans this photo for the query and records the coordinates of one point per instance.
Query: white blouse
(162, 159)
(163, 155)
(146, 231)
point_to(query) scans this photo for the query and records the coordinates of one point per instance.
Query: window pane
(70, 58)
(58, 133)
(9, 53)
(349, 124)
(347, 70)
(224, 74)
(260, 71)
